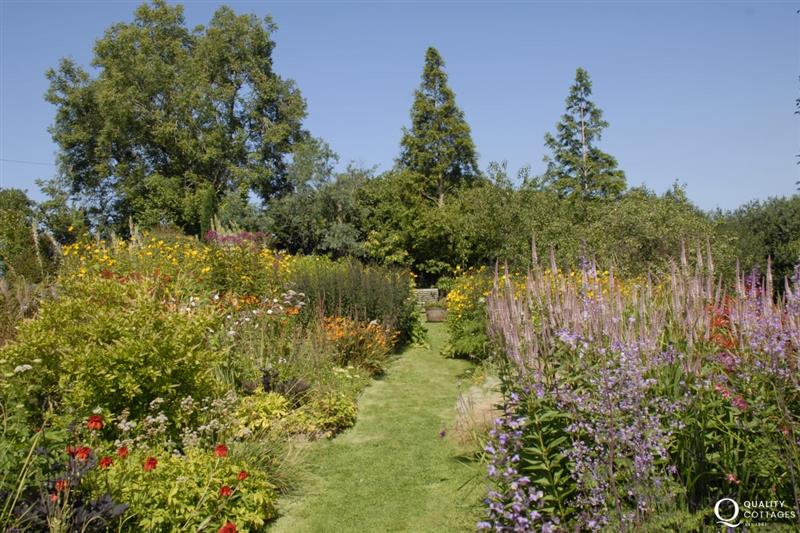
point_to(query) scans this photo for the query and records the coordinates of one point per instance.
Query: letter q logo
(729, 521)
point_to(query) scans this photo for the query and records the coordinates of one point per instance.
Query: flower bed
(639, 409)
(161, 385)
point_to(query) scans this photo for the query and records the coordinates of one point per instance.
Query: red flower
(243, 475)
(61, 484)
(54, 497)
(95, 422)
(82, 453)
(150, 464)
(229, 527)
(221, 450)
(71, 450)
(225, 491)
(740, 403)
(106, 461)
(122, 453)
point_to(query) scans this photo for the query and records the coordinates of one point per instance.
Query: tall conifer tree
(577, 168)
(438, 150)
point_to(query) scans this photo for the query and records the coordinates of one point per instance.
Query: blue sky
(698, 92)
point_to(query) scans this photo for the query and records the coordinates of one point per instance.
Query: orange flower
(61, 484)
(82, 453)
(122, 453)
(95, 423)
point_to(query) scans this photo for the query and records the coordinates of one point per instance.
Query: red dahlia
(243, 475)
(106, 461)
(225, 491)
(122, 453)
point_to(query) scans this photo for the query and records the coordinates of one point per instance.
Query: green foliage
(183, 492)
(324, 416)
(174, 115)
(246, 267)
(544, 458)
(261, 411)
(326, 218)
(577, 168)
(437, 151)
(111, 344)
(641, 232)
(724, 449)
(466, 316)
(768, 230)
(350, 289)
(25, 251)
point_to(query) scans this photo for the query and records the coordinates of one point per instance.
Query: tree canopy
(175, 118)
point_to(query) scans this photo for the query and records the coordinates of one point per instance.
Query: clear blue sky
(698, 92)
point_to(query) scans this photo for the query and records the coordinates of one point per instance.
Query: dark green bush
(350, 289)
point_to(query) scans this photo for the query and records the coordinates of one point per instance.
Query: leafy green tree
(313, 164)
(765, 230)
(175, 118)
(327, 218)
(577, 168)
(438, 150)
(643, 231)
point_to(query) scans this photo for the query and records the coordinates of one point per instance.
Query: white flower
(22, 368)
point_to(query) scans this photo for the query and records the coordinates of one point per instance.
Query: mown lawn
(392, 471)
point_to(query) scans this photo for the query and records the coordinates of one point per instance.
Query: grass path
(392, 471)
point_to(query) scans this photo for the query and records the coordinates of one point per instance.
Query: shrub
(466, 315)
(366, 346)
(365, 293)
(263, 410)
(25, 251)
(324, 416)
(241, 264)
(112, 344)
(168, 492)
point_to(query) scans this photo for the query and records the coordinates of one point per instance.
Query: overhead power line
(23, 162)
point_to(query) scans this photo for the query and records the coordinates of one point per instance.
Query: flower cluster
(640, 369)
(513, 503)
